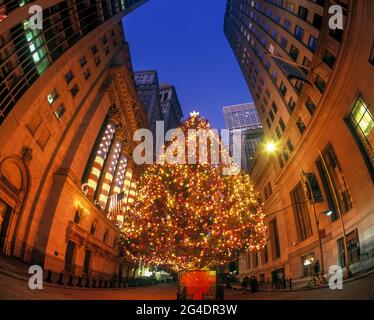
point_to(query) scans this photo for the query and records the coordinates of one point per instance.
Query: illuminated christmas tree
(191, 216)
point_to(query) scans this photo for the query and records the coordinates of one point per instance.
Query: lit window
(362, 122)
(59, 112)
(52, 97)
(35, 43)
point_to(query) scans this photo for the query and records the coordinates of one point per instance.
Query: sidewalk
(14, 267)
(17, 269)
(301, 284)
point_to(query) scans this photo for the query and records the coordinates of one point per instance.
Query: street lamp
(347, 272)
(326, 213)
(271, 148)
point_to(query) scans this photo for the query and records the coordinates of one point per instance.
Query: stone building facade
(68, 111)
(323, 127)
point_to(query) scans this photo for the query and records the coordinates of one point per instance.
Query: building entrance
(5, 216)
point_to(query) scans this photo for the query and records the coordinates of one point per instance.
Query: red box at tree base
(197, 285)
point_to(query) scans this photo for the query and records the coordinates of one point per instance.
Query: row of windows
(26, 53)
(298, 32)
(94, 228)
(320, 84)
(252, 258)
(329, 170)
(36, 126)
(331, 174)
(362, 123)
(294, 52)
(69, 77)
(274, 76)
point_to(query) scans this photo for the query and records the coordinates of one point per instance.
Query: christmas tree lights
(191, 216)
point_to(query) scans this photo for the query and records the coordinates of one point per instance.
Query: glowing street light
(328, 213)
(271, 147)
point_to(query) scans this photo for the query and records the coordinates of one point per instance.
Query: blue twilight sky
(184, 41)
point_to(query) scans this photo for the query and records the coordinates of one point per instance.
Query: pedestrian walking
(316, 268)
(254, 284)
(245, 283)
(274, 277)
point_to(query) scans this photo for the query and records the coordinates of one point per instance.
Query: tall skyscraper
(252, 140)
(312, 85)
(241, 118)
(172, 110)
(149, 92)
(68, 111)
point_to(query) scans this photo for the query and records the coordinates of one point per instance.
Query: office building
(240, 118)
(68, 110)
(320, 123)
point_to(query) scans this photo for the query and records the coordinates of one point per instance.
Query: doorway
(87, 261)
(5, 215)
(69, 257)
(353, 249)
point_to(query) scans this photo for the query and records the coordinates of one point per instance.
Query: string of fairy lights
(191, 216)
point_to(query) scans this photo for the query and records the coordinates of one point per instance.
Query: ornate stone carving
(121, 133)
(115, 115)
(26, 154)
